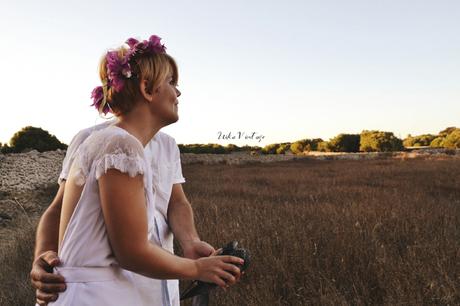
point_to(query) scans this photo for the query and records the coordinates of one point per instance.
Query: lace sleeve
(109, 150)
(123, 153)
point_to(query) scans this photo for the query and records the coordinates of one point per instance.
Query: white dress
(164, 157)
(92, 274)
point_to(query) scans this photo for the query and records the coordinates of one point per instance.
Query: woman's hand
(220, 270)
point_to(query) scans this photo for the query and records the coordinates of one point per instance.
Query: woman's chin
(174, 118)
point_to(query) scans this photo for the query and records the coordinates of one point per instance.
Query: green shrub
(447, 131)
(305, 145)
(419, 141)
(5, 149)
(210, 148)
(378, 141)
(283, 148)
(232, 148)
(324, 146)
(35, 138)
(452, 141)
(345, 143)
(437, 142)
(271, 148)
(297, 147)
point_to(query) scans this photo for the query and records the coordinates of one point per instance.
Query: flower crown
(119, 69)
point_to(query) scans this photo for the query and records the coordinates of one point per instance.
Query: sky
(275, 71)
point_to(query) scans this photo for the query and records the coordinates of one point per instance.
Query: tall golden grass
(370, 232)
(381, 232)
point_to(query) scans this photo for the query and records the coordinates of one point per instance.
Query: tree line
(33, 138)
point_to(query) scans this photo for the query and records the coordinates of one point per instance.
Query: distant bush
(447, 131)
(211, 148)
(324, 146)
(312, 144)
(250, 148)
(378, 141)
(232, 148)
(437, 142)
(419, 141)
(283, 148)
(36, 139)
(345, 143)
(297, 147)
(5, 149)
(452, 140)
(271, 148)
(305, 145)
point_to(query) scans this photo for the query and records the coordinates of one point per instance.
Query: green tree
(378, 141)
(409, 141)
(283, 148)
(232, 148)
(419, 141)
(35, 138)
(324, 146)
(305, 145)
(270, 148)
(437, 142)
(297, 147)
(345, 143)
(217, 149)
(447, 131)
(452, 141)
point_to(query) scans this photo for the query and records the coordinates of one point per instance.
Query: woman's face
(167, 96)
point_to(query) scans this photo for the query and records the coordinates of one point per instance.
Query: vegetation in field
(381, 232)
(32, 138)
(369, 232)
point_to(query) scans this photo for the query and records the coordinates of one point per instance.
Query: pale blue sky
(286, 70)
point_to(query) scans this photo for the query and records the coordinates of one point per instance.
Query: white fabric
(163, 160)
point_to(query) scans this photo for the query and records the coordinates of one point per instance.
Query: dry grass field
(332, 232)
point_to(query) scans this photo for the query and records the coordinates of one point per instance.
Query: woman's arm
(125, 214)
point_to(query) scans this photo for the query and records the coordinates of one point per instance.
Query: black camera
(200, 288)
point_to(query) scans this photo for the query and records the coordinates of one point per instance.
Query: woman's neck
(139, 123)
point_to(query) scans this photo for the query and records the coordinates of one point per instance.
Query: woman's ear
(145, 90)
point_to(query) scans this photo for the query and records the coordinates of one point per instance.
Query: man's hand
(48, 285)
(195, 249)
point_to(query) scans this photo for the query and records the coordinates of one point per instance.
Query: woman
(107, 213)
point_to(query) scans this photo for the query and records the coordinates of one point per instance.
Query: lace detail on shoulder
(125, 163)
(111, 148)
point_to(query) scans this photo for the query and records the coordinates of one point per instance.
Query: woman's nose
(178, 93)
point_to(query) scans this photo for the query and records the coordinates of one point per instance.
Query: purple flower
(98, 96)
(155, 45)
(131, 42)
(117, 69)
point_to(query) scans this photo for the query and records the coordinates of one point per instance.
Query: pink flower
(98, 96)
(131, 42)
(119, 69)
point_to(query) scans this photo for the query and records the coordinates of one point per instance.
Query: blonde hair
(153, 68)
